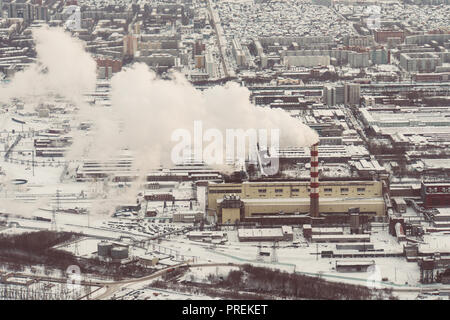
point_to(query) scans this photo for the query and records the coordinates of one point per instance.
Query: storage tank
(104, 248)
(119, 253)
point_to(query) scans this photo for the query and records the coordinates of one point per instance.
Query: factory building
(207, 236)
(148, 260)
(442, 219)
(435, 194)
(354, 266)
(187, 216)
(184, 173)
(345, 238)
(119, 168)
(284, 233)
(259, 199)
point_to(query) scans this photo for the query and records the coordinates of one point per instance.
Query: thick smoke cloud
(146, 110)
(150, 109)
(62, 67)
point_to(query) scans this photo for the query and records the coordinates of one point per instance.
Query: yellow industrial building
(235, 201)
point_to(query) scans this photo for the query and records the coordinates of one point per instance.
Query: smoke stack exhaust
(314, 185)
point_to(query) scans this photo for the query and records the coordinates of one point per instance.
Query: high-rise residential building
(40, 13)
(358, 59)
(333, 94)
(130, 44)
(352, 93)
(420, 61)
(379, 56)
(27, 10)
(198, 49)
(238, 53)
(200, 61)
(210, 66)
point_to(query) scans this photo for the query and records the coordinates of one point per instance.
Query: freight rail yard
(96, 203)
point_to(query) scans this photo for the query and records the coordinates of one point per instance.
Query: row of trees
(37, 248)
(210, 291)
(288, 285)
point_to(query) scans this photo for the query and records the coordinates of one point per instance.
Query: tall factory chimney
(314, 185)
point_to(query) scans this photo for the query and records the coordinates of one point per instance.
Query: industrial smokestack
(314, 185)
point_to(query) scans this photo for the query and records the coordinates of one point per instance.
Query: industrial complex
(179, 149)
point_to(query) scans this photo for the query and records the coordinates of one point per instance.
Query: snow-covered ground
(301, 259)
(140, 292)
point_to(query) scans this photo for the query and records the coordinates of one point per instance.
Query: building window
(328, 190)
(262, 190)
(361, 189)
(225, 191)
(278, 190)
(298, 190)
(344, 190)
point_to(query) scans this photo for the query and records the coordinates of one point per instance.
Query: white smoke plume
(150, 109)
(146, 110)
(62, 67)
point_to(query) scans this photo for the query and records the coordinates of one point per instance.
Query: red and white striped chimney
(314, 185)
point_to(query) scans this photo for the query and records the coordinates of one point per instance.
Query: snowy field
(142, 293)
